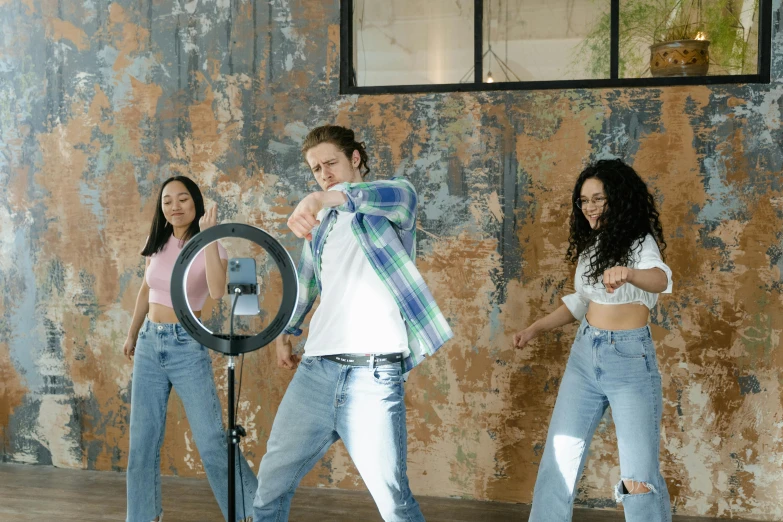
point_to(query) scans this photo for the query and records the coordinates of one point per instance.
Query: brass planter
(680, 58)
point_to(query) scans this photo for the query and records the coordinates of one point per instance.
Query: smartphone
(242, 271)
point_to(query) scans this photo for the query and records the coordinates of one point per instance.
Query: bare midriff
(617, 317)
(159, 313)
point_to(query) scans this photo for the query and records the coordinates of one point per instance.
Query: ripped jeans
(616, 368)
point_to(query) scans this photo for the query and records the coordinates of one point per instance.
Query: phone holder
(244, 289)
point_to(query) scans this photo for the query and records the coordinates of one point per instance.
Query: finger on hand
(307, 220)
(298, 228)
(293, 226)
(301, 232)
(307, 223)
(289, 362)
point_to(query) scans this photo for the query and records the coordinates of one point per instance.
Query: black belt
(371, 360)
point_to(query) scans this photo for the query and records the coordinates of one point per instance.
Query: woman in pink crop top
(615, 237)
(165, 356)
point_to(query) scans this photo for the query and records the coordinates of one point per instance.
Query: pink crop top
(162, 265)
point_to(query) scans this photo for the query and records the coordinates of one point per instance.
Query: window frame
(347, 76)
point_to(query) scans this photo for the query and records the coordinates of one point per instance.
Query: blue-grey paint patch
(496, 328)
(26, 335)
(775, 253)
(91, 198)
(510, 249)
(622, 132)
(22, 425)
(86, 301)
(748, 384)
(724, 200)
(56, 381)
(130, 278)
(679, 402)
(277, 147)
(100, 420)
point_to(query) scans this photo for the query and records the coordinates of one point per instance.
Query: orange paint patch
(57, 29)
(12, 391)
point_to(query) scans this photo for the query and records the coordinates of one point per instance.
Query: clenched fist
(616, 277)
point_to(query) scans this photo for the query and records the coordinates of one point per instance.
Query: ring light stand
(233, 345)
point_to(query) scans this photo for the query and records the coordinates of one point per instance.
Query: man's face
(331, 166)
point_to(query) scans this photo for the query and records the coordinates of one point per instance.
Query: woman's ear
(356, 159)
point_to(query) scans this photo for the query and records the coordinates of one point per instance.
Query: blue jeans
(327, 401)
(614, 368)
(166, 356)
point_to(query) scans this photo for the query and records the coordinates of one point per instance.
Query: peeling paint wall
(101, 101)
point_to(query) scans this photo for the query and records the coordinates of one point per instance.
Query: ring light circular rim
(242, 343)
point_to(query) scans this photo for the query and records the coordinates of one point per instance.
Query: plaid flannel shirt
(385, 226)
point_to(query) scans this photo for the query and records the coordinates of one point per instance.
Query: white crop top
(646, 255)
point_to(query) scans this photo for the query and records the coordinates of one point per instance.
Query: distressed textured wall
(101, 101)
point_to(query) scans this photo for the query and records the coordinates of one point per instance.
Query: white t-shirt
(357, 313)
(646, 255)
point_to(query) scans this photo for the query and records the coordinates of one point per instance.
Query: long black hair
(628, 216)
(161, 229)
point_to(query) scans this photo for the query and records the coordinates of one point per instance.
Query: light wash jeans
(614, 368)
(327, 401)
(166, 356)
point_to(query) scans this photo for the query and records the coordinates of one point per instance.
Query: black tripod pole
(239, 344)
(233, 440)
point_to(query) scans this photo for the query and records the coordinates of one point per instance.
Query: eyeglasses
(597, 202)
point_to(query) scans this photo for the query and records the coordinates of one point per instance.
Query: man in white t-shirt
(376, 320)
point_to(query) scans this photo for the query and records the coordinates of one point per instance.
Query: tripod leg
(232, 442)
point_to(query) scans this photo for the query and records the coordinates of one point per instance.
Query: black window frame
(347, 73)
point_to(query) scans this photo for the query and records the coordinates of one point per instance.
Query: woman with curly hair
(616, 240)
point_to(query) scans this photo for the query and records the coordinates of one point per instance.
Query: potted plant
(680, 47)
(721, 34)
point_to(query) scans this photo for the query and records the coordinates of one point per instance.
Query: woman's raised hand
(209, 219)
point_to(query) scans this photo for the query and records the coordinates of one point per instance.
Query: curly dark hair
(628, 216)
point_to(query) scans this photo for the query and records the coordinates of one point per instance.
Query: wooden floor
(48, 493)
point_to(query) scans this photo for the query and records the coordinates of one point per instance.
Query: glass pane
(534, 40)
(410, 42)
(688, 37)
